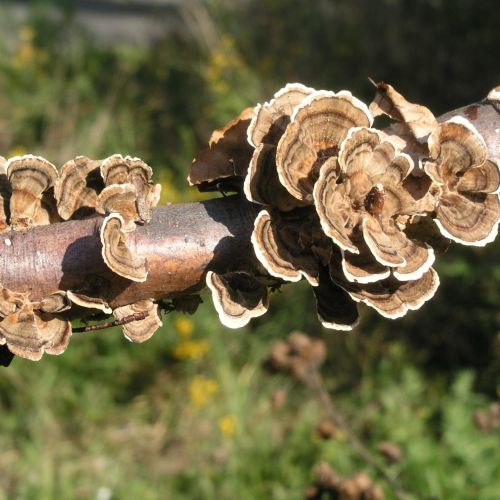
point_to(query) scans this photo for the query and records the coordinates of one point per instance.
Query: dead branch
(181, 243)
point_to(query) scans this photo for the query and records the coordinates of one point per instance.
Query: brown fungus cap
(416, 118)
(269, 122)
(120, 198)
(363, 267)
(116, 253)
(29, 334)
(262, 184)
(390, 297)
(55, 303)
(238, 297)
(468, 209)
(359, 198)
(11, 301)
(226, 157)
(30, 177)
(336, 309)
(118, 169)
(494, 97)
(270, 119)
(88, 302)
(318, 126)
(77, 188)
(143, 329)
(5, 192)
(276, 243)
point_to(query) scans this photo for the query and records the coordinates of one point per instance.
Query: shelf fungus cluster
(359, 212)
(34, 193)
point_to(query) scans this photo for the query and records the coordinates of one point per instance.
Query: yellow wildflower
(191, 349)
(183, 326)
(227, 425)
(17, 151)
(28, 55)
(201, 391)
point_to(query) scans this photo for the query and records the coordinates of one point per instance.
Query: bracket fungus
(31, 178)
(118, 169)
(225, 160)
(360, 213)
(336, 310)
(141, 329)
(317, 127)
(238, 297)
(77, 188)
(56, 302)
(468, 208)
(4, 195)
(29, 333)
(268, 124)
(88, 302)
(117, 255)
(119, 198)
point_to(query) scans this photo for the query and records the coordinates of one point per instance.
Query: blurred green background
(190, 414)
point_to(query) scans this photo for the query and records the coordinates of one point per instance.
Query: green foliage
(189, 414)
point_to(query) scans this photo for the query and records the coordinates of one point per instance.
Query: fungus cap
(318, 126)
(117, 255)
(77, 187)
(30, 177)
(278, 249)
(270, 119)
(120, 198)
(143, 329)
(226, 157)
(5, 192)
(237, 297)
(336, 310)
(87, 302)
(55, 303)
(29, 334)
(418, 119)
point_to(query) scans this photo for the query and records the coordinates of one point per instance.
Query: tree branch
(181, 243)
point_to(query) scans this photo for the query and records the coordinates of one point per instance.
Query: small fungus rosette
(468, 207)
(317, 128)
(363, 205)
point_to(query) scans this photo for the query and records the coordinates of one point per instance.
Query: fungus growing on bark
(4, 195)
(116, 253)
(262, 184)
(270, 119)
(277, 244)
(88, 302)
(363, 267)
(363, 193)
(226, 157)
(28, 333)
(468, 208)
(318, 126)
(417, 119)
(336, 309)
(30, 178)
(142, 329)
(55, 303)
(343, 206)
(11, 301)
(117, 169)
(494, 97)
(77, 188)
(269, 122)
(389, 297)
(238, 297)
(120, 198)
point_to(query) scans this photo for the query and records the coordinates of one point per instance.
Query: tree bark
(181, 243)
